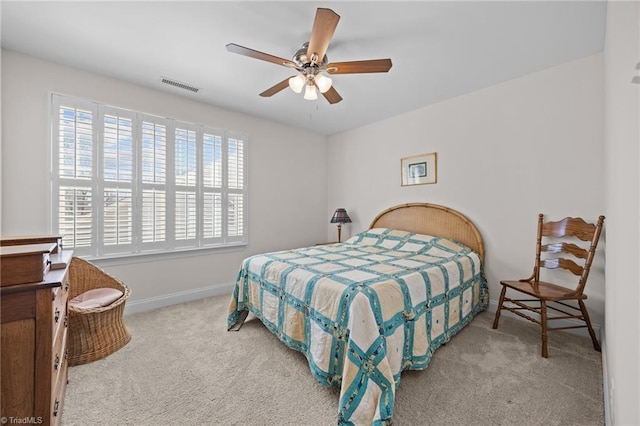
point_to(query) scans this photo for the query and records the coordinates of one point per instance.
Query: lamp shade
(310, 93)
(297, 83)
(323, 83)
(340, 216)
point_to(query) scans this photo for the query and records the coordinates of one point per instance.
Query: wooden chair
(94, 332)
(562, 250)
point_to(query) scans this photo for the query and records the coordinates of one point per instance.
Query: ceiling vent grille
(180, 85)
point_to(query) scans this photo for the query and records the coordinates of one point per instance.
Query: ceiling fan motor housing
(303, 61)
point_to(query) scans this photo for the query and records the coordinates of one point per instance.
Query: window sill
(133, 258)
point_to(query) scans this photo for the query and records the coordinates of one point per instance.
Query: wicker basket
(97, 332)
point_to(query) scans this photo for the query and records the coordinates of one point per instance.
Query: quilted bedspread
(364, 310)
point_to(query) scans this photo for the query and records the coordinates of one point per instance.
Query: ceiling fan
(311, 62)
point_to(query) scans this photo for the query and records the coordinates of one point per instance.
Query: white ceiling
(439, 49)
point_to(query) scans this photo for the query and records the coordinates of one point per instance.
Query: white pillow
(96, 298)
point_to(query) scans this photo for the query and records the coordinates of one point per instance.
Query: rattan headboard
(431, 219)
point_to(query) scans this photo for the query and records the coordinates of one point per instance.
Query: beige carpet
(183, 368)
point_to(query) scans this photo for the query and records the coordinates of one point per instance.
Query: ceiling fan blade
(332, 96)
(324, 26)
(245, 51)
(276, 88)
(356, 67)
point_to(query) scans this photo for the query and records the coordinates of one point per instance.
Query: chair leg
(497, 317)
(585, 314)
(543, 323)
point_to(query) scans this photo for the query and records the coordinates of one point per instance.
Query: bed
(367, 309)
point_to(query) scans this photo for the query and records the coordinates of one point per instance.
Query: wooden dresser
(34, 288)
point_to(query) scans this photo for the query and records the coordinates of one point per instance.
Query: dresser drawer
(59, 361)
(60, 296)
(24, 264)
(58, 356)
(57, 395)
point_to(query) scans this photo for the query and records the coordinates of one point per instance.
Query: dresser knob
(56, 315)
(56, 406)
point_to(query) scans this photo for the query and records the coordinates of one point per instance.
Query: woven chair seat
(94, 332)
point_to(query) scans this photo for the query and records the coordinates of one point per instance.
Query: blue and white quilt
(364, 310)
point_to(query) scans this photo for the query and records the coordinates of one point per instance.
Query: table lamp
(340, 216)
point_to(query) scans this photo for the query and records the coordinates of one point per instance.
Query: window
(128, 182)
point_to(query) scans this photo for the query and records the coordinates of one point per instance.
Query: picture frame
(419, 169)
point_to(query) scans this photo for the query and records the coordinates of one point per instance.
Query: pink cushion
(96, 298)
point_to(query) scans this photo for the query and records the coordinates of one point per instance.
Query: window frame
(98, 184)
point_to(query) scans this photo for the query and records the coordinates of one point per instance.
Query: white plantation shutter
(185, 157)
(118, 171)
(118, 148)
(154, 152)
(75, 135)
(212, 185)
(187, 177)
(185, 216)
(235, 218)
(236, 164)
(75, 212)
(153, 159)
(118, 217)
(212, 215)
(154, 216)
(73, 155)
(126, 182)
(212, 161)
(235, 204)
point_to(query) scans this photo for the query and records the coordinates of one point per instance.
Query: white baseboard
(493, 306)
(142, 305)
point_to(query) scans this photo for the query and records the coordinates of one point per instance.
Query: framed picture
(419, 169)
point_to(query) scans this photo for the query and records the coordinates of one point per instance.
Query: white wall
(505, 154)
(287, 172)
(622, 157)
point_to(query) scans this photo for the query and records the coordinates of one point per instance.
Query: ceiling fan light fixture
(310, 93)
(297, 83)
(323, 82)
(312, 63)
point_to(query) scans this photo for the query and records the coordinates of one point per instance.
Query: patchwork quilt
(364, 310)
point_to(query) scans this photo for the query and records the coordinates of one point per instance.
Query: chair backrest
(559, 243)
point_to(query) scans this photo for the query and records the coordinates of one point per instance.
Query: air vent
(180, 85)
